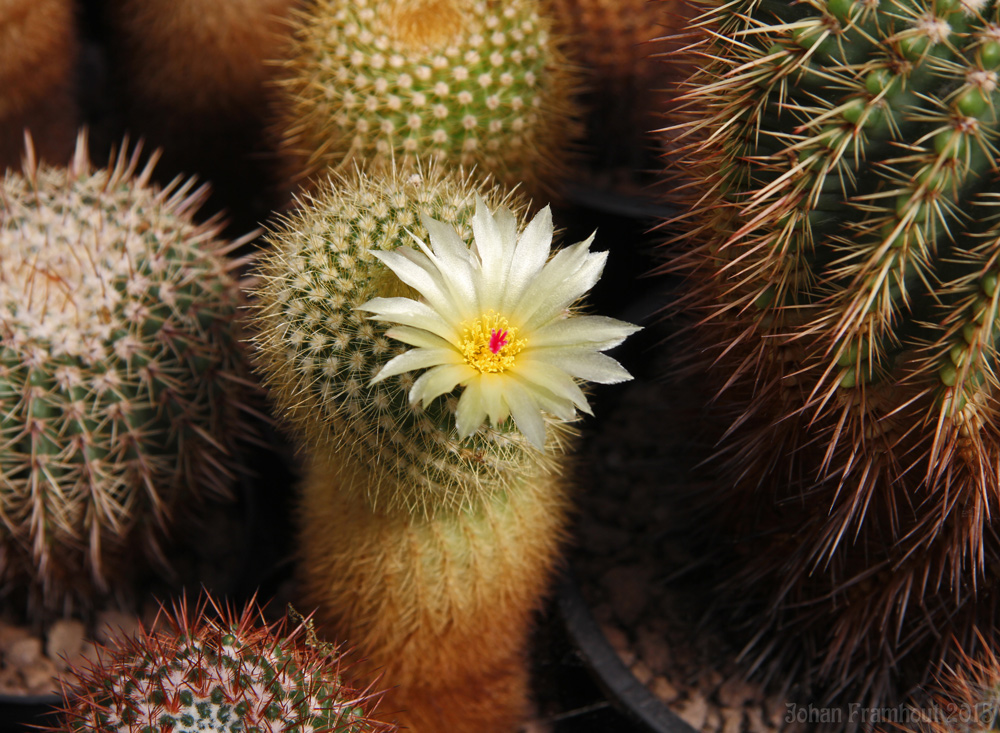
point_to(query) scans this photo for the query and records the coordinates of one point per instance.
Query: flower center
(489, 343)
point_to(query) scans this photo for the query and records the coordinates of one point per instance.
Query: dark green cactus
(843, 216)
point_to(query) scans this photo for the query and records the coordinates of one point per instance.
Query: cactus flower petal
(495, 318)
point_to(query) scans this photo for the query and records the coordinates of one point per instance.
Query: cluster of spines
(318, 354)
(122, 382)
(842, 198)
(210, 668)
(466, 82)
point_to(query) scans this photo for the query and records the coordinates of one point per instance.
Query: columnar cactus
(471, 82)
(38, 65)
(122, 379)
(841, 161)
(433, 507)
(214, 669)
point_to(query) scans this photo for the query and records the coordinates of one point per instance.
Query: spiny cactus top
(121, 378)
(843, 180)
(474, 82)
(216, 672)
(323, 357)
(494, 318)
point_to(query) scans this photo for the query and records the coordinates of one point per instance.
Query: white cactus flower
(495, 317)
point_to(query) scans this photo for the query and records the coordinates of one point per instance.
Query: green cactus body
(842, 159)
(470, 82)
(121, 379)
(318, 354)
(202, 672)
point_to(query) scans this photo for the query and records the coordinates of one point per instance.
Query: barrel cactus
(122, 379)
(472, 82)
(840, 161)
(433, 505)
(210, 668)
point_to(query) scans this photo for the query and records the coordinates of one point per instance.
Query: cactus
(199, 670)
(38, 64)
(619, 45)
(318, 354)
(192, 77)
(472, 82)
(122, 381)
(963, 700)
(430, 519)
(839, 160)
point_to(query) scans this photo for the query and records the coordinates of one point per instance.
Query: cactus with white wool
(211, 668)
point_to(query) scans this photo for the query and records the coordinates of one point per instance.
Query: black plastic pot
(19, 712)
(631, 697)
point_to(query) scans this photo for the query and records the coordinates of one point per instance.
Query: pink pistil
(498, 339)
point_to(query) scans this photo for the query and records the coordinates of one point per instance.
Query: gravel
(647, 587)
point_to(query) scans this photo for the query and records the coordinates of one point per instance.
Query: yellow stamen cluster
(489, 344)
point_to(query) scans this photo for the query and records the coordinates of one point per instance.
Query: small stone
(652, 649)
(10, 634)
(664, 689)
(24, 652)
(711, 680)
(713, 722)
(39, 678)
(641, 672)
(755, 721)
(776, 711)
(64, 642)
(626, 587)
(619, 642)
(115, 625)
(694, 710)
(10, 682)
(732, 721)
(734, 692)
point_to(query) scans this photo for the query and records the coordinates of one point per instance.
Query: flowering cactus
(433, 505)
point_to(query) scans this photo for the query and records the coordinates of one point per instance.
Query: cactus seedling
(841, 166)
(430, 523)
(196, 670)
(122, 381)
(471, 82)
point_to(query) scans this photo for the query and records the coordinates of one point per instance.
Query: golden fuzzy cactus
(472, 82)
(433, 506)
(38, 63)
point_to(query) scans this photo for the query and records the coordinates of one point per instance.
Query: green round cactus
(222, 671)
(121, 377)
(842, 161)
(318, 354)
(473, 82)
